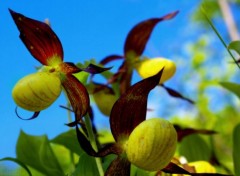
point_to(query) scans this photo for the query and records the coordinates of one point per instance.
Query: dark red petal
(69, 68)
(39, 39)
(77, 95)
(34, 116)
(139, 35)
(94, 69)
(130, 109)
(176, 94)
(110, 59)
(119, 167)
(188, 131)
(174, 169)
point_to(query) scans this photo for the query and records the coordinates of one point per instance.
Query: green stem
(70, 120)
(219, 36)
(93, 143)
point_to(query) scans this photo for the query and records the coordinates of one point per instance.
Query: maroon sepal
(84, 143)
(110, 58)
(35, 115)
(137, 38)
(69, 68)
(77, 95)
(173, 168)
(119, 167)
(188, 131)
(130, 108)
(39, 38)
(176, 94)
(94, 69)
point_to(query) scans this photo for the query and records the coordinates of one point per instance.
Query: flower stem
(219, 36)
(92, 140)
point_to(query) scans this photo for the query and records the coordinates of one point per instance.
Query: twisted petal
(39, 39)
(139, 35)
(77, 94)
(130, 109)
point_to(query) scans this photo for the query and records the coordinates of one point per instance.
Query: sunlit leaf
(35, 151)
(236, 147)
(77, 94)
(119, 167)
(232, 87)
(235, 45)
(130, 109)
(86, 166)
(69, 140)
(18, 162)
(137, 38)
(39, 39)
(194, 148)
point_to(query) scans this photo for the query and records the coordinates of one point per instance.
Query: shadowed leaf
(232, 87)
(130, 109)
(68, 139)
(137, 38)
(86, 166)
(188, 131)
(77, 94)
(195, 148)
(236, 147)
(176, 94)
(119, 167)
(39, 39)
(19, 163)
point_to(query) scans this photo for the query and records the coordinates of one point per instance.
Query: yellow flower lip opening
(37, 91)
(149, 67)
(152, 144)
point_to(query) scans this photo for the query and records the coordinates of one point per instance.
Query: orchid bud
(37, 91)
(149, 67)
(152, 144)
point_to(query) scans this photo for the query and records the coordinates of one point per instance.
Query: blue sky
(87, 29)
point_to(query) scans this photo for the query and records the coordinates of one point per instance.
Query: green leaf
(36, 152)
(18, 162)
(69, 140)
(86, 166)
(235, 45)
(232, 87)
(194, 148)
(236, 147)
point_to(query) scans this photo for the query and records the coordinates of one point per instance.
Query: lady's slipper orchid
(128, 116)
(37, 91)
